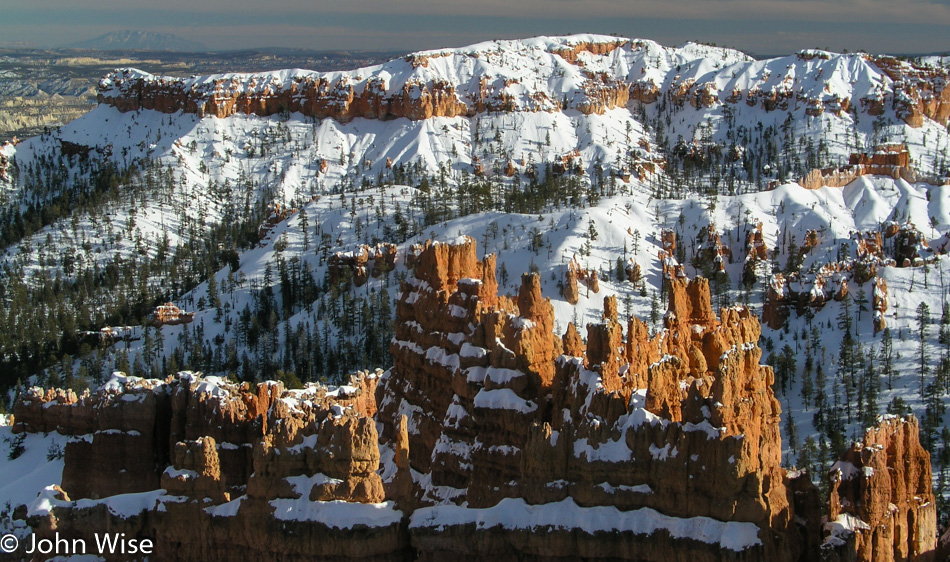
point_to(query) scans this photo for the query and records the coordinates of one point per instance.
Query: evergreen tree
(923, 319)
(304, 226)
(807, 387)
(886, 356)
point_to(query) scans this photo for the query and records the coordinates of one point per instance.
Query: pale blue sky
(757, 26)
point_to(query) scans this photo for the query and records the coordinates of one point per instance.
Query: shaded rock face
(219, 468)
(122, 450)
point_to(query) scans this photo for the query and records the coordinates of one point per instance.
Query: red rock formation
(882, 506)
(919, 92)
(171, 315)
(699, 371)
(283, 446)
(879, 303)
(633, 271)
(197, 471)
(571, 53)
(358, 265)
(668, 241)
(593, 283)
(886, 160)
(712, 254)
(570, 285)
(755, 246)
(704, 96)
(277, 213)
(573, 344)
(343, 97)
(483, 419)
(775, 307)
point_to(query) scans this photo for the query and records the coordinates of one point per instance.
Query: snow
(638, 489)
(705, 427)
(23, 478)
(343, 391)
(663, 453)
(442, 357)
(501, 376)
(303, 484)
(503, 399)
(337, 514)
(227, 509)
(845, 469)
(612, 451)
(215, 386)
(126, 505)
(515, 514)
(472, 352)
(120, 505)
(842, 527)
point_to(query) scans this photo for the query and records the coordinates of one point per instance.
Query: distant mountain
(139, 40)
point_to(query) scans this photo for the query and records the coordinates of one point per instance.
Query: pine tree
(807, 387)
(808, 456)
(821, 399)
(886, 356)
(654, 310)
(923, 319)
(861, 299)
(870, 386)
(850, 364)
(934, 408)
(304, 226)
(791, 431)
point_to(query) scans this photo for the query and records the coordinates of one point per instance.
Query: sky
(763, 27)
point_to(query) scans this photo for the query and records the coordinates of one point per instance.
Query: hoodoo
(630, 447)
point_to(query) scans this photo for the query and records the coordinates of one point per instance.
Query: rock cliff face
(413, 88)
(491, 426)
(208, 467)
(591, 74)
(885, 160)
(881, 500)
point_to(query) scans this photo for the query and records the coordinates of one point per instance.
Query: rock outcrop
(886, 160)
(879, 304)
(207, 467)
(356, 266)
(882, 506)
